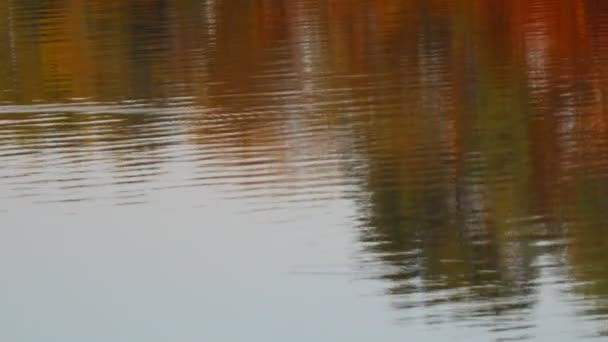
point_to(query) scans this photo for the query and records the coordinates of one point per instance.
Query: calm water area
(303, 170)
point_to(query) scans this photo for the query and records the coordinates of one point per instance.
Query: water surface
(303, 170)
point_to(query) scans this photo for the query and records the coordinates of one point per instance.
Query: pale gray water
(303, 170)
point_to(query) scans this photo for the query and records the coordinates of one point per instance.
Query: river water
(303, 170)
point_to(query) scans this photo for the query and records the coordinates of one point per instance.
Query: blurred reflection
(471, 135)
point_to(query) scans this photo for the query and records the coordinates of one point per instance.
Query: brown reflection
(475, 131)
(472, 176)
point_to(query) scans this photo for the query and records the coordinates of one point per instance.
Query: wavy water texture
(462, 146)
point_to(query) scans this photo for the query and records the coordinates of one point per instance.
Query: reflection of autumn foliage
(469, 115)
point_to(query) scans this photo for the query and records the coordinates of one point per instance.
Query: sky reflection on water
(303, 170)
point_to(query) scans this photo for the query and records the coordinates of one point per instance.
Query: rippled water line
(146, 107)
(299, 131)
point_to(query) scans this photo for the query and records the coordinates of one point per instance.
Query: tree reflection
(476, 130)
